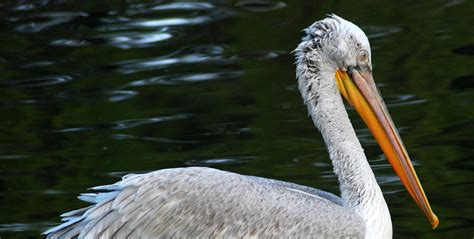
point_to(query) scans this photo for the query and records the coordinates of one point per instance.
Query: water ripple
(198, 55)
(69, 42)
(127, 124)
(259, 5)
(76, 129)
(13, 157)
(219, 161)
(403, 100)
(156, 63)
(154, 139)
(145, 20)
(258, 55)
(120, 95)
(22, 227)
(184, 6)
(388, 180)
(177, 21)
(187, 79)
(38, 64)
(381, 31)
(37, 82)
(33, 27)
(93, 94)
(120, 174)
(37, 25)
(126, 40)
(23, 7)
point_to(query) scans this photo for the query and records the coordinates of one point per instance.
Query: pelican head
(335, 54)
(339, 43)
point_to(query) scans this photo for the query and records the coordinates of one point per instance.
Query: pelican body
(333, 62)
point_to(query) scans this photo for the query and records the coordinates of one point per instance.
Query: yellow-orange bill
(359, 89)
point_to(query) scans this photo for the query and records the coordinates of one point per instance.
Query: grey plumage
(200, 202)
(204, 202)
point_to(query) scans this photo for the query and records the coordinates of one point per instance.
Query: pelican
(333, 62)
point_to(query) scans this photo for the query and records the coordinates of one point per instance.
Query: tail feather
(75, 221)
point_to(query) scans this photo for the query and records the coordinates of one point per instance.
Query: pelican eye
(363, 56)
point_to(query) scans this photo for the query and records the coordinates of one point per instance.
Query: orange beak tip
(435, 222)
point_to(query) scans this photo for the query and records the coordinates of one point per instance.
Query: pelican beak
(357, 86)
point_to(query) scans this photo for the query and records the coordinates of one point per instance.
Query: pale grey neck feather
(358, 186)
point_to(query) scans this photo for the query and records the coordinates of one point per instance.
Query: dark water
(92, 90)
